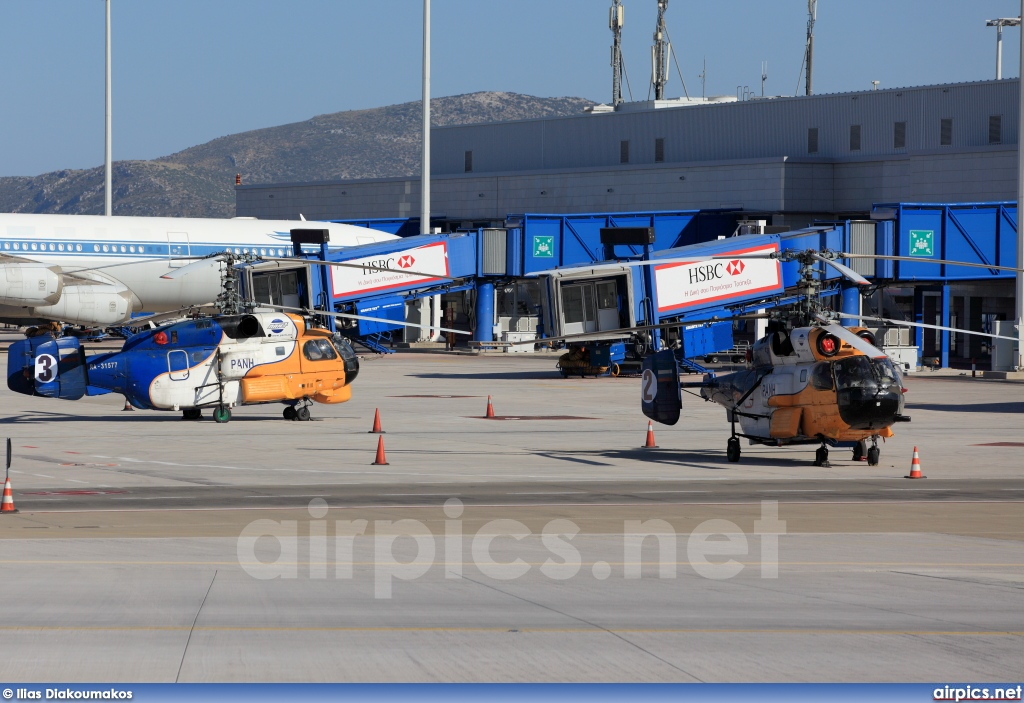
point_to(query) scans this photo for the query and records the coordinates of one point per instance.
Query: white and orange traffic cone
(915, 467)
(490, 408)
(376, 423)
(8, 502)
(381, 459)
(127, 405)
(649, 444)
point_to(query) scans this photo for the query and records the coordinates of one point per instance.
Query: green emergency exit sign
(922, 242)
(543, 247)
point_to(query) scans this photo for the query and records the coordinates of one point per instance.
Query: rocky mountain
(199, 182)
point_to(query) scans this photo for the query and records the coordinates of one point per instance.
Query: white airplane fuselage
(42, 258)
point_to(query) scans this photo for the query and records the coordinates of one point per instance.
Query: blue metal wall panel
(984, 233)
(576, 239)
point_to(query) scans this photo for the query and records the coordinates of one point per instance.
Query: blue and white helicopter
(242, 357)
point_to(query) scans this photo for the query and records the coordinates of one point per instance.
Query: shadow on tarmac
(978, 408)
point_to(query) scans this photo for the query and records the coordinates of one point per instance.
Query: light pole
(108, 190)
(425, 174)
(999, 24)
(1019, 361)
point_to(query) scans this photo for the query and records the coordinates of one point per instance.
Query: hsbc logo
(406, 261)
(735, 267)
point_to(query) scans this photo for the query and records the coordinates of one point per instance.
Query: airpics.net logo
(277, 325)
(407, 549)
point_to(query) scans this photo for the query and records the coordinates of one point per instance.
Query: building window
(946, 132)
(899, 135)
(995, 129)
(812, 140)
(469, 161)
(855, 137)
(659, 150)
(624, 151)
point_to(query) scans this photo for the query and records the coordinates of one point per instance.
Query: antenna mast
(764, 75)
(660, 53)
(812, 15)
(615, 21)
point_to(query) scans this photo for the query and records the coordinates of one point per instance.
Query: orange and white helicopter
(810, 380)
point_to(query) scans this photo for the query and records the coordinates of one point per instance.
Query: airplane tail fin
(54, 368)
(661, 398)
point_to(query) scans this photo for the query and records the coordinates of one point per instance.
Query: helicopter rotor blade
(170, 315)
(928, 260)
(343, 264)
(613, 265)
(957, 330)
(855, 341)
(858, 343)
(627, 331)
(351, 316)
(844, 270)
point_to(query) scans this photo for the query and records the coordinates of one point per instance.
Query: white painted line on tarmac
(74, 480)
(805, 490)
(658, 492)
(302, 495)
(150, 498)
(919, 489)
(40, 475)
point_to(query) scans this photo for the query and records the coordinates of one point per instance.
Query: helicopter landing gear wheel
(289, 412)
(191, 414)
(874, 454)
(821, 456)
(732, 449)
(302, 414)
(221, 414)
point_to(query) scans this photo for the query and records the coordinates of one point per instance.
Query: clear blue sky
(188, 71)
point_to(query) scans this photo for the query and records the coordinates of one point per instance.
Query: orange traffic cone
(376, 423)
(915, 467)
(490, 408)
(127, 406)
(8, 502)
(649, 444)
(381, 460)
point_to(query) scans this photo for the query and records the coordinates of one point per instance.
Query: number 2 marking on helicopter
(649, 385)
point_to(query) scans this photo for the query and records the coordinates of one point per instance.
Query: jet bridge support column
(851, 306)
(652, 299)
(919, 318)
(944, 360)
(484, 331)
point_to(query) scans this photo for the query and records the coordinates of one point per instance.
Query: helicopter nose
(868, 409)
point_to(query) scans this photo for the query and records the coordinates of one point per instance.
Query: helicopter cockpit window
(319, 350)
(821, 376)
(853, 372)
(886, 372)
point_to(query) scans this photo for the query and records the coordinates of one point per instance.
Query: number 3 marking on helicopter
(649, 385)
(46, 368)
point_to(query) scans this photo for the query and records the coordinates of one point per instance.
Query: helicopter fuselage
(220, 362)
(809, 387)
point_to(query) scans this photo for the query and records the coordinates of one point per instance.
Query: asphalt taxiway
(128, 559)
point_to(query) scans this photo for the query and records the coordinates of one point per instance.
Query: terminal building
(775, 163)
